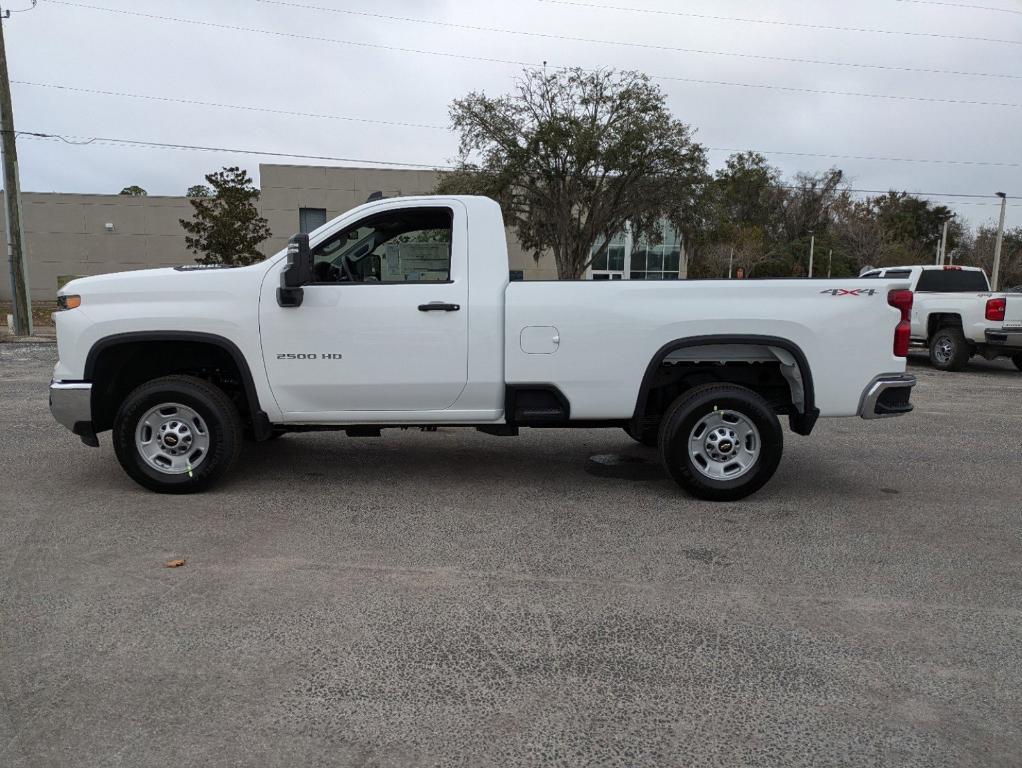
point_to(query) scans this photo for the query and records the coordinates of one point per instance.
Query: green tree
(134, 191)
(978, 251)
(915, 224)
(226, 227)
(737, 208)
(573, 155)
(754, 219)
(199, 190)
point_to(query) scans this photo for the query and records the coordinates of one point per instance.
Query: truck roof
(934, 266)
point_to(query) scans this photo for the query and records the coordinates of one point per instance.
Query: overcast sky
(352, 74)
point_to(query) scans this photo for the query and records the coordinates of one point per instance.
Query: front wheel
(177, 434)
(721, 442)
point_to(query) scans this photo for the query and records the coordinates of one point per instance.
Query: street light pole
(943, 241)
(12, 198)
(996, 271)
(812, 247)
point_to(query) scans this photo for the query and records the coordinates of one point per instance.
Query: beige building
(93, 234)
(69, 234)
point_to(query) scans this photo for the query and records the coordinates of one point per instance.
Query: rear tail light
(995, 309)
(902, 300)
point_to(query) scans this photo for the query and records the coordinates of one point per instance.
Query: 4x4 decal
(849, 292)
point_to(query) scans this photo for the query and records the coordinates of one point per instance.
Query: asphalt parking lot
(452, 598)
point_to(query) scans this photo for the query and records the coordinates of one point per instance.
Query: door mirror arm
(297, 273)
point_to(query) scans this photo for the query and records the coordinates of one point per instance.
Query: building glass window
(631, 258)
(611, 263)
(311, 218)
(657, 262)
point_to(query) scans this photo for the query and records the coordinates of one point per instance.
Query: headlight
(70, 301)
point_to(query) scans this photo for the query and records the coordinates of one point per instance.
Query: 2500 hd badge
(309, 356)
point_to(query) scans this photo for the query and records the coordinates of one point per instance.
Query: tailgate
(1013, 311)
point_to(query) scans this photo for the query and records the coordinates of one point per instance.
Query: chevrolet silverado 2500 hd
(956, 316)
(400, 313)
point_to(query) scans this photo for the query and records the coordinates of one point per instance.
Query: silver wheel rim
(724, 445)
(172, 438)
(943, 350)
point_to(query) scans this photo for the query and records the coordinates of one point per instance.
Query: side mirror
(297, 273)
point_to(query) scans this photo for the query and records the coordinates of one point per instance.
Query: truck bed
(843, 328)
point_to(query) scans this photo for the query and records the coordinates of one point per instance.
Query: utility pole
(730, 262)
(812, 247)
(996, 271)
(830, 260)
(943, 241)
(12, 198)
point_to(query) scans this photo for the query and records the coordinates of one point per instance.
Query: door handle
(439, 306)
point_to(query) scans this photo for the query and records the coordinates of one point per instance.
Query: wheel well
(117, 367)
(940, 320)
(773, 368)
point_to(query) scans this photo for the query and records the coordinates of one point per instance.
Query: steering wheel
(347, 269)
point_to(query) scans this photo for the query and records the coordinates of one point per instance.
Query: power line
(446, 54)
(112, 141)
(632, 44)
(8, 11)
(119, 142)
(870, 157)
(243, 107)
(276, 111)
(962, 5)
(772, 22)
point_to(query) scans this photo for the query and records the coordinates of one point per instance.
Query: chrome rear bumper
(887, 395)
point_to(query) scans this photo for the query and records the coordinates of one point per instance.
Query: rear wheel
(1017, 360)
(721, 442)
(177, 434)
(949, 350)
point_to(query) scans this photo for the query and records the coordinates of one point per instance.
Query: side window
(406, 245)
(870, 274)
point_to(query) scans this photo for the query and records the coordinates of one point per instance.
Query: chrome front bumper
(71, 406)
(887, 395)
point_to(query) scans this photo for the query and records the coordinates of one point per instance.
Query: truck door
(384, 324)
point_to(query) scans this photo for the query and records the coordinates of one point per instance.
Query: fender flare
(801, 423)
(260, 421)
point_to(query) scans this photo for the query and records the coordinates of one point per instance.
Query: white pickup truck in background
(956, 316)
(401, 313)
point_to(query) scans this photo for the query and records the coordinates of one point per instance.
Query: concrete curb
(44, 338)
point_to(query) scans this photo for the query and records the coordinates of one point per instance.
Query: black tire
(949, 349)
(1017, 360)
(650, 437)
(698, 404)
(220, 419)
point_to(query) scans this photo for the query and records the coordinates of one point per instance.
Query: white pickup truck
(401, 313)
(956, 316)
